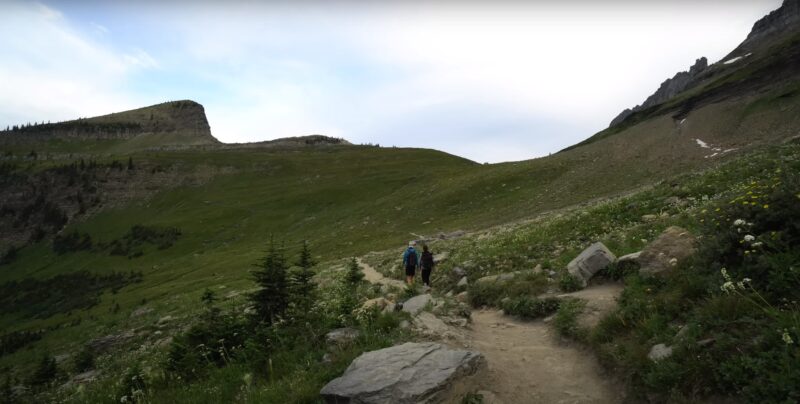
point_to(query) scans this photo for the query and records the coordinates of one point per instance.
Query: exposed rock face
(671, 247)
(590, 261)
(668, 89)
(408, 373)
(774, 25)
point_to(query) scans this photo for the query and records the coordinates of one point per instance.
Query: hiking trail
(527, 361)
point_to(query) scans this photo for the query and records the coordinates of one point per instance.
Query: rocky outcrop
(774, 25)
(408, 373)
(175, 123)
(668, 89)
(671, 247)
(596, 257)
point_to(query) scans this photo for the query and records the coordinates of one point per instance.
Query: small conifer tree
(301, 283)
(272, 298)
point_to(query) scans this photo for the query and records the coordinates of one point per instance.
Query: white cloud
(529, 78)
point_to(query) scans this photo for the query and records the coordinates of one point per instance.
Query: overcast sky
(490, 81)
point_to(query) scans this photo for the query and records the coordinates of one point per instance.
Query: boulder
(632, 258)
(341, 336)
(671, 247)
(463, 282)
(590, 261)
(408, 373)
(441, 257)
(416, 304)
(380, 303)
(462, 297)
(433, 327)
(659, 352)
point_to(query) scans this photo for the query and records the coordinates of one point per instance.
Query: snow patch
(702, 144)
(736, 59)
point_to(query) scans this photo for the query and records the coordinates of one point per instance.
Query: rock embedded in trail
(593, 259)
(416, 304)
(671, 247)
(408, 373)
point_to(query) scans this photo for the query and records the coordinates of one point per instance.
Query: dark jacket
(426, 261)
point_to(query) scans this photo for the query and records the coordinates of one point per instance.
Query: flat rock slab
(416, 304)
(409, 373)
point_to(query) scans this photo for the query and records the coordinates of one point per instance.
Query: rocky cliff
(773, 28)
(176, 122)
(668, 89)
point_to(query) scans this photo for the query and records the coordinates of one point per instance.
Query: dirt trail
(528, 363)
(373, 276)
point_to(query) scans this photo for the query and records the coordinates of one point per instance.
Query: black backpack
(411, 260)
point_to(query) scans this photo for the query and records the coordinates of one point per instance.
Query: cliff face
(773, 26)
(668, 89)
(182, 121)
(776, 26)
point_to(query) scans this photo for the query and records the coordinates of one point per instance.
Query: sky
(490, 81)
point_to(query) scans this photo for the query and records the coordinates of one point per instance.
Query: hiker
(426, 263)
(410, 262)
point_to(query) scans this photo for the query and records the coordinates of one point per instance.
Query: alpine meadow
(143, 260)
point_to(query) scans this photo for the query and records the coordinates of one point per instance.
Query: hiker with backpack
(410, 262)
(426, 263)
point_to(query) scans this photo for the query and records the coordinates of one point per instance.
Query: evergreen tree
(301, 284)
(354, 275)
(350, 283)
(209, 297)
(272, 298)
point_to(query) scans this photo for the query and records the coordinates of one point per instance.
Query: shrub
(83, 360)
(45, 372)
(566, 321)
(530, 307)
(71, 242)
(569, 283)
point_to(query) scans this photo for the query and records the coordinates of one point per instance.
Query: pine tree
(272, 298)
(209, 297)
(354, 275)
(350, 283)
(45, 372)
(301, 285)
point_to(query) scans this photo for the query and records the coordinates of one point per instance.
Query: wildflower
(124, 399)
(748, 238)
(727, 287)
(787, 338)
(758, 244)
(766, 206)
(738, 222)
(725, 275)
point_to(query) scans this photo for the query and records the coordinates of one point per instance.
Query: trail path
(527, 361)
(373, 276)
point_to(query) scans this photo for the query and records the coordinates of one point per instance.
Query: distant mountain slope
(770, 53)
(176, 123)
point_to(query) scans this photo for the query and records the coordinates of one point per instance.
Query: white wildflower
(749, 238)
(727, 287)
(758, 244)
(124, 399)
(738, 222)
(787, 338)
(725, 275)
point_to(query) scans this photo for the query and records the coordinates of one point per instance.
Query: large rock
(380, 303)
(670, 248)
(590, 261)
(408, 373)
(416, 304)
